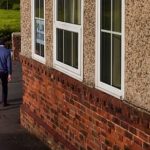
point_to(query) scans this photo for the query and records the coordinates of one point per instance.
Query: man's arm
(9, 66)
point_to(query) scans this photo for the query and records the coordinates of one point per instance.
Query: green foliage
(10, 18)
(8, 4)
(5, 33)
(9, 22)
(16, 6)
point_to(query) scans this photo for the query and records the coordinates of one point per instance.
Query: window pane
(60, 10)
(69, 11)
(37, 8)
(59, 45)
(75, 50)
(37, 48)
(67, 48)
(39, 37)
(105, 58)
(42, 50)
(41, 8)
(116, 61)
(39, 30)
(116, 15)
(77, 11)
(106, 14)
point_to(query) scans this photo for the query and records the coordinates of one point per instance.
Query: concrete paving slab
(12, 135)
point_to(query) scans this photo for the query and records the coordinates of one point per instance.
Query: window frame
(34, 55)
(109, 89)
(69, 70)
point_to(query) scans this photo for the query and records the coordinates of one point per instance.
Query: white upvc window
(110, 47)
(68, 37)
(38, 30)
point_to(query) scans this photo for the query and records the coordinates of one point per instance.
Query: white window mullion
(72, 59)
(39, 17)
(73, 7)
(80, 5)
(72, 33)
(39, 8)
(67, 26)
(122, 47)
(63, 46)
(111, 41)
(111, 32)
(64, 11)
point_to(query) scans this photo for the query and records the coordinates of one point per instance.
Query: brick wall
(69, 115)
(16, 45)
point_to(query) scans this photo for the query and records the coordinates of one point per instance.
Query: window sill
(39, 58)
(68, 72)
(110, 90)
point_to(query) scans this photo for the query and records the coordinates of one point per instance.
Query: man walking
(5, 71)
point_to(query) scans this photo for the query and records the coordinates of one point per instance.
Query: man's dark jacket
(5, 60)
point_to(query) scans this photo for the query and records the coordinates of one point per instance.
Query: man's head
(1, 43)
(6, 44)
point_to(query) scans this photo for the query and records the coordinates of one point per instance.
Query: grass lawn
(10, 19)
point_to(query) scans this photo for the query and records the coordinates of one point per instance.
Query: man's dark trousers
(4, 79)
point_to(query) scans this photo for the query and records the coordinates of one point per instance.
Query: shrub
(9, 4)
(9, 22)
(16, 7)
(5, 35)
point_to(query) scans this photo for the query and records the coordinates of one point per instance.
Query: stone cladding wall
(137, 45)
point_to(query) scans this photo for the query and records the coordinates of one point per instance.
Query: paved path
(12, 135)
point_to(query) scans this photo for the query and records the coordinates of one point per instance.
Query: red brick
(124, 125)
(116, 147)
(116, 120)
(143, 136)
(146, 146)
(133, 130)
(119, 130)
(138, 141)
(128, 135)
(120, 138)
(136, 147)
(81, 115)
(108, 143)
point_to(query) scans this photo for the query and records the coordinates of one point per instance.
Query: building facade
(86, 72)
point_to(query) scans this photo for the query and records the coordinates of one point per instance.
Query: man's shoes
(5, 104)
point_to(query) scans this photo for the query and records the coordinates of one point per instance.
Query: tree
(8, 4)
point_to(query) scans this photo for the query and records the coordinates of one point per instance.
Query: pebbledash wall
(72, 115)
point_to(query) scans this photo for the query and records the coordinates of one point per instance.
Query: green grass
(10, 19)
